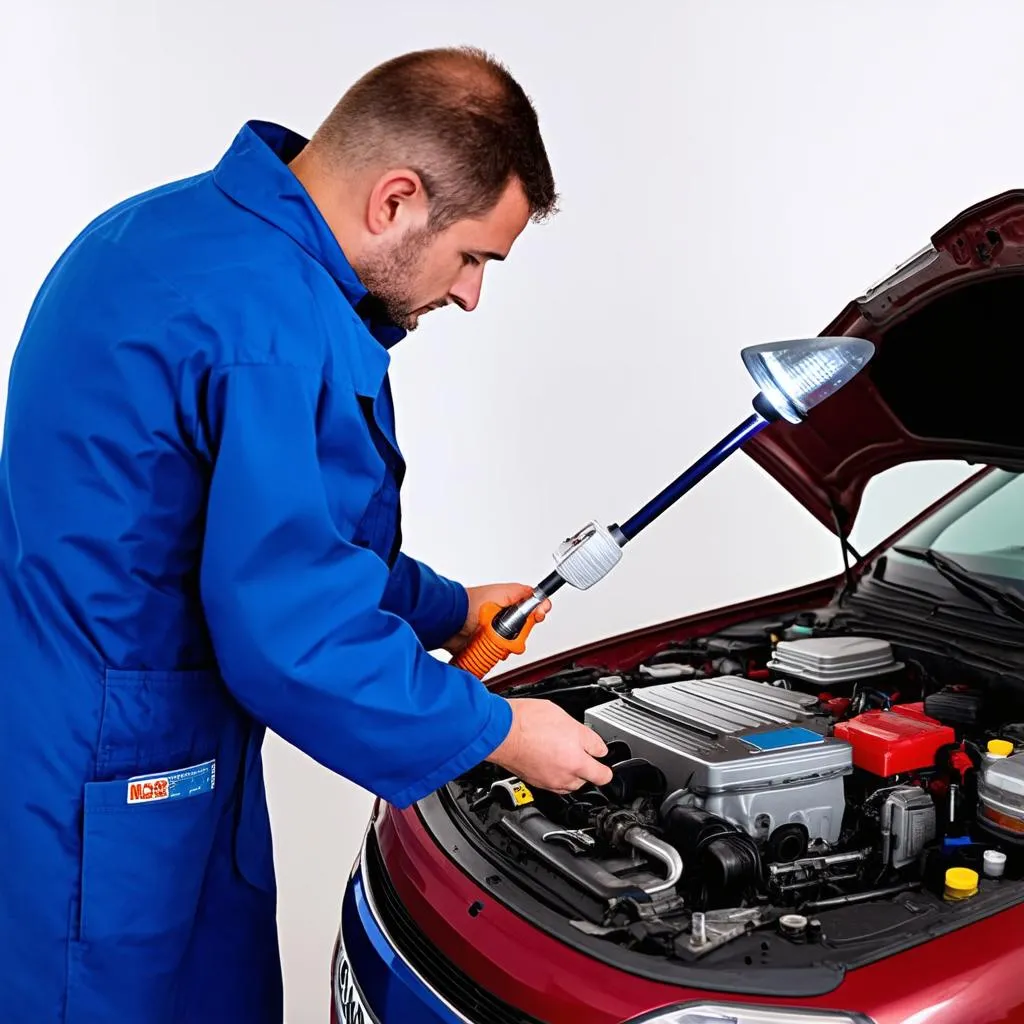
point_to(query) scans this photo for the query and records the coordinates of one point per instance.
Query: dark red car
(817, 813)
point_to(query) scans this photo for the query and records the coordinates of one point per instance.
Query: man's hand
(501, 594)
(549, 749)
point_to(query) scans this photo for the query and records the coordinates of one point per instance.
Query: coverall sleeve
(295, 608)
(434, 606)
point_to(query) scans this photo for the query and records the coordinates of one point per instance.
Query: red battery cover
(888, 743)
(915, 710)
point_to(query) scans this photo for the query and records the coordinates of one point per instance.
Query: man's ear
(397, 200)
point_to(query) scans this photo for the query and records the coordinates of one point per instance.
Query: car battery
(888, 743)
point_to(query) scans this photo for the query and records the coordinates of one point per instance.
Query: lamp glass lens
(795, 376)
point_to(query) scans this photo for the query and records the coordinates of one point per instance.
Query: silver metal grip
(588, 556)
(509, 622)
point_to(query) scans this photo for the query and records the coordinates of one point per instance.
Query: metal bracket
(715, 928)
(575, 839)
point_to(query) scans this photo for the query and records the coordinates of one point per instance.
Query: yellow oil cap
(961, 883)
(1001, 748)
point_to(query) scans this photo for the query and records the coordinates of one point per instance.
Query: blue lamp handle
(503, 630)
(689, 477)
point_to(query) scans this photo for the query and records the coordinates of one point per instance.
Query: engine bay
(783, 793)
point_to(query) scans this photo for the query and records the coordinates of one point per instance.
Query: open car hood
(945, 382)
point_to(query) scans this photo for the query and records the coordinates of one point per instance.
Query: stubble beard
(389, 276)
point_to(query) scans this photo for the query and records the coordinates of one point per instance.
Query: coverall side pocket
(143, 870)
(142, 864)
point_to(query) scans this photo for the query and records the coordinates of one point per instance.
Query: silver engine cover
(754, 754)
(834, 660)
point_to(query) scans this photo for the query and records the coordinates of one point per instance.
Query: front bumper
(373, 983)
(388, 971)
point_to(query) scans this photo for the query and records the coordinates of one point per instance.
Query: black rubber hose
(633, 778)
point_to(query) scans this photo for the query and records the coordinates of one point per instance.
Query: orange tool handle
(487, 648)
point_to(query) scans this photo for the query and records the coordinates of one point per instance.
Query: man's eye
(469, 261)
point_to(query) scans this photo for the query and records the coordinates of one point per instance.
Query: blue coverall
(199, 539)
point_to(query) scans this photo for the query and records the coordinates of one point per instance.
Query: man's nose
(465, 293)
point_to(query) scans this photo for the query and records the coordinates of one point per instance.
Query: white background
(730, 172)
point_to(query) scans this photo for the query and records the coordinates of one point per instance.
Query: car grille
(461, 992)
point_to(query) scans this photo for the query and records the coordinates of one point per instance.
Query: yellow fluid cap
(1001, 748)
(961, 883)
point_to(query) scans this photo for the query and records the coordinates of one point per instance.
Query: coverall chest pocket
(169, 760)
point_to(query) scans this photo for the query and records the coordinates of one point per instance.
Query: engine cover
(834, 660)
(751, 753)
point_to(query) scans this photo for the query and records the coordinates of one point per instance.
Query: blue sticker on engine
(782, 738)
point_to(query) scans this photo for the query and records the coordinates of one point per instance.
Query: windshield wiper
(993, 596)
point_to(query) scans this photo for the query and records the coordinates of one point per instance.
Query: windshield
(982, 529)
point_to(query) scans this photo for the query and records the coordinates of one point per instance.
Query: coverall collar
(254, 172)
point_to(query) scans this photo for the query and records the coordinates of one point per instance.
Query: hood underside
(945, 382)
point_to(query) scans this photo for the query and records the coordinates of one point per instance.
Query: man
(199, 538)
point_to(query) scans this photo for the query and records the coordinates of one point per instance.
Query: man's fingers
(597, 773)
(593, 744)
(594, 771)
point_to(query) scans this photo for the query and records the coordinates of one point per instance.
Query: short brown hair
(454, 115)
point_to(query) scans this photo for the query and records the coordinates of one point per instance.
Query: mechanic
(200, 539)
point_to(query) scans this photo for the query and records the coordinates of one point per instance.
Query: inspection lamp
(792, 378)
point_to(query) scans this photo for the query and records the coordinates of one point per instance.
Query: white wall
(731, 172)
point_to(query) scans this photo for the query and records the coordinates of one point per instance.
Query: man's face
(423, 270)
